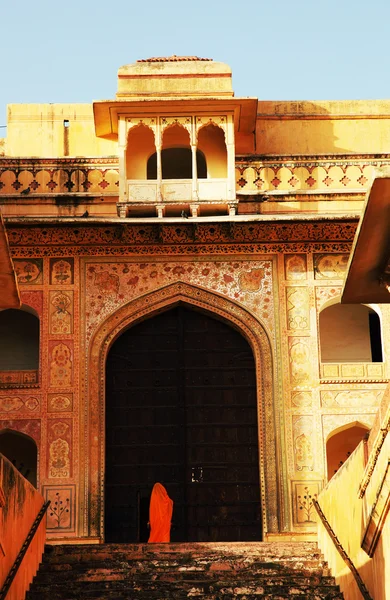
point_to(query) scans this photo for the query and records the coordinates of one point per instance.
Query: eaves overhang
(107, 112)
(370, 253)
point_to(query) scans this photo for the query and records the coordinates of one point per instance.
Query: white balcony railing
(173, 190)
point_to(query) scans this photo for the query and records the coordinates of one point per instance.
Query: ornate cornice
(119, 234)
(192, 238)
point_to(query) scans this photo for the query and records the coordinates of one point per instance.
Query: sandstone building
(180, 256)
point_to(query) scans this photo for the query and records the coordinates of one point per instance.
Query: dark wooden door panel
(181, 409)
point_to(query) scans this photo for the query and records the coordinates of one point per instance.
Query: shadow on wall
(328, 127)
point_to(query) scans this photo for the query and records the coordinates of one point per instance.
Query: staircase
(212, 571)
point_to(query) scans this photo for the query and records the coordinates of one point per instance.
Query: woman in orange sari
(160, 514)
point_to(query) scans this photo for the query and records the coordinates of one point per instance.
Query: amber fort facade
(235, 216)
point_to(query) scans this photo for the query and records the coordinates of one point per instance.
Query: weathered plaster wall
(38, 130)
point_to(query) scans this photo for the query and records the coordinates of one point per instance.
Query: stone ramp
(207, 571)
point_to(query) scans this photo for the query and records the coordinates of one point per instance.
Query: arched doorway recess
(181, 409)
(94, 415)
(21, 450)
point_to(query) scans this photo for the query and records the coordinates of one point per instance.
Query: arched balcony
(176, 163)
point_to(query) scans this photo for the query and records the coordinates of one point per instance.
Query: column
(195, 195)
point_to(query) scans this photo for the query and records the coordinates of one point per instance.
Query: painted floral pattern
(111, 285)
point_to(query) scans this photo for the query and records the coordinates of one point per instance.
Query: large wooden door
(181, 410)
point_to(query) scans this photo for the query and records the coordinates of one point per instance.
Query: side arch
(144, 307)
(22, 451)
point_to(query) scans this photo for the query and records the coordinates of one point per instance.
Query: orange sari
(160, 514)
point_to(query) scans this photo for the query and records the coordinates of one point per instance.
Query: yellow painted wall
(282, 128)
(323, 127)
(348, 520)
(38, 130)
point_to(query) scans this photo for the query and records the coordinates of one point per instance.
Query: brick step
(202, 586)
(108, 574)
(220, 571)
(309, 569)
(169, 595)
(194, 589)
(260, 549)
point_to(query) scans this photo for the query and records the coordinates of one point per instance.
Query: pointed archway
(181, 409)
(94, 414)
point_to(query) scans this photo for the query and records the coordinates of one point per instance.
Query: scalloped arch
(145, 307)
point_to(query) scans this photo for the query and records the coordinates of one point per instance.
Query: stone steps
(214, 571)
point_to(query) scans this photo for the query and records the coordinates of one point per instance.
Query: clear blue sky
(70, 51)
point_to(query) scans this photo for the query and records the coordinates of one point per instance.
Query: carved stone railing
(254, 175)
(178, 191)
(69, 176)
(307, 174)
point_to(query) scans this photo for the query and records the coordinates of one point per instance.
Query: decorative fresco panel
(20, 404)
(60, 402)
(302, 399)
(304, 443)
(59, 440)
(303, 494)
(330, 266)
(295, 266)
(60, 312)
(29, 272)
(298, 309)
(353, 371)
(61, 271)
(351, 398)
(18, 377)
(61, 367)
(60, 517)
(324, 294)
(111, 285)
(300, 362)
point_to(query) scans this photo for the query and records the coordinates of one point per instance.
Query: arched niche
(176, 155)
(211, 141)
(21, 451)
(177, 164)
(350, 333)
(341, 443)
(140, 145)
(237, 317)
(19, 339)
